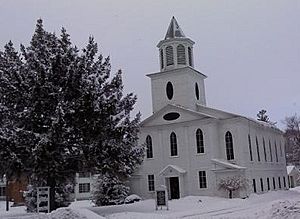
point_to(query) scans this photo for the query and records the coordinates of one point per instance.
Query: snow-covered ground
(277, 204)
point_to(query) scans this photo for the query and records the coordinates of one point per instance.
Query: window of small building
(151, 185)
(2, 190)
(274, 184)
(202, 179)
(190, 56)
(149, 151)
(161, 58)
(254, 185)
(284, 182)
(261, 185)
(264, 147)
(229, 146)
(173, 144)
(250, 148)
(257, 149)
(169, 55)
(199, 141)
(84, 187)
(181, 60)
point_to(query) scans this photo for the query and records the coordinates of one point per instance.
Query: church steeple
(174, 31)
(175, 50)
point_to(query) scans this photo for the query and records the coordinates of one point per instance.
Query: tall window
(284, 182)
(149, 150)
(276, 155)
(254, 185)
(202, 179)
(280, 150)
(151, 186)
(264, 146)
(279, 182)
(268, 183)
(173, 144)
(274, 184)
(261, 185)
(270, 149)
(250, 148)
(190, 56)
(199, 141)
(257, 148)
(229, 146)
(161, 59)
(84, 187)
(181, 55)
(170, 55)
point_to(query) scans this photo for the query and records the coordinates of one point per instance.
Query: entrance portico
(172, 178)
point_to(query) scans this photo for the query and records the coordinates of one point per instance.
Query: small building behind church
(190, 146)
(293, 176)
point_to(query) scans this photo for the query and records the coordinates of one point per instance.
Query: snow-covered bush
(233, 183)
(109, 190)
(132, 198)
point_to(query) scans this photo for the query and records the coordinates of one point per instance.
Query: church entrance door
(174, 187)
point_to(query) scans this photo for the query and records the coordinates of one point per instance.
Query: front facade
(190, 146)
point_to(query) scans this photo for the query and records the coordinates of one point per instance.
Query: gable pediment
(173, 114)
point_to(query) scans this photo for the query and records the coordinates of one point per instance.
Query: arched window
(199, 141)
(149, 147)
(257, 149)
(190, 56)
(181, 55)
(250, 148)
(170, 55)
(173, 144)
(265, 152)
(276, 154)
(229, 146)
(161, 59)
(270, 149)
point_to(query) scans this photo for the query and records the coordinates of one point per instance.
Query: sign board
(43, 199)
(161, 198)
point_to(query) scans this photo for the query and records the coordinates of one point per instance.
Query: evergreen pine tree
(60, 113)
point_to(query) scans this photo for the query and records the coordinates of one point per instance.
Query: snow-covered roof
(227, 164)
(174, 167)
(224, 115)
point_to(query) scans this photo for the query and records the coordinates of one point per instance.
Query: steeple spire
(174, 31)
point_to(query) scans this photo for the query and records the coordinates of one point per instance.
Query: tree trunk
(230, 194)
(51, 183)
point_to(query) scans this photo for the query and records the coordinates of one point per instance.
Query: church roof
(174, 31)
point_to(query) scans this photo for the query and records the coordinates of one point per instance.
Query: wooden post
(6, 193)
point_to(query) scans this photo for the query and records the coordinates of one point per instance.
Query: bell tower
(175, 50)
(177, 82)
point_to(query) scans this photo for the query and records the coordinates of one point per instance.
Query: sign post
(161, 198)
(43, 199)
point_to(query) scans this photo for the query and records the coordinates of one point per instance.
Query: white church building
(191, 146)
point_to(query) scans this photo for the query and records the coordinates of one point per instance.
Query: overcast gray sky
(250, 50)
